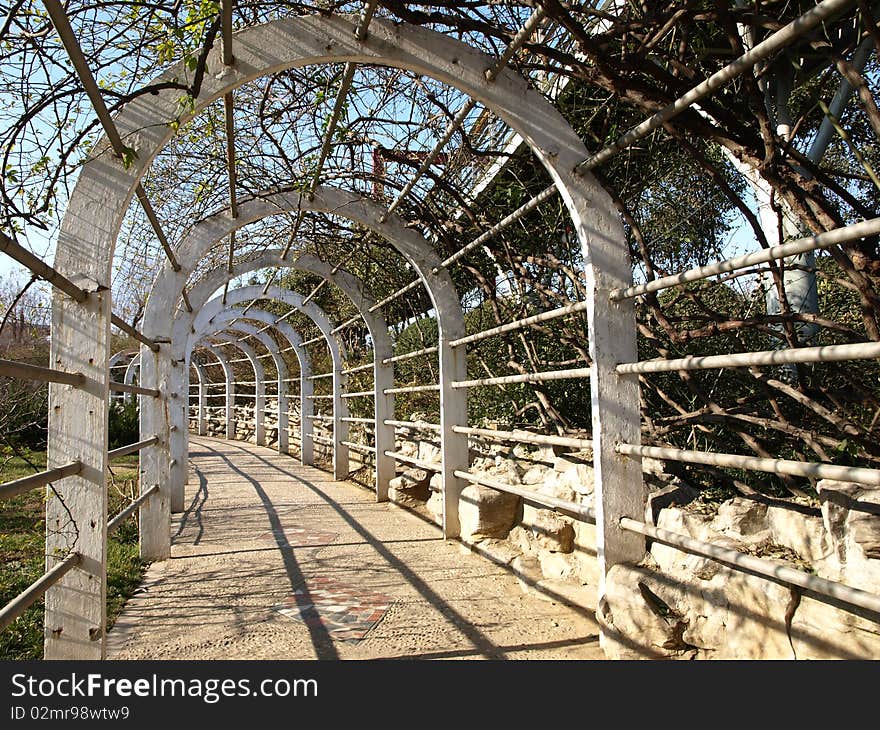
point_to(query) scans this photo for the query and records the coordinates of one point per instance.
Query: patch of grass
(22, 546)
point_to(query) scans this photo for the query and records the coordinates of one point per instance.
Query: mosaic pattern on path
(299, 536)
(346, 611)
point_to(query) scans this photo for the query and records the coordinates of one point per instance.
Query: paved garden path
(273, 560)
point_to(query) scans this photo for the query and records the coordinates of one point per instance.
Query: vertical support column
(202, 428)
(383, 378)
(154, 517)
(340, 427)
(177, 387)
(614, 399)
(76, 507)
(306, 409)
(260, 403)
(453, 412)
(230, 392)
(283, 406)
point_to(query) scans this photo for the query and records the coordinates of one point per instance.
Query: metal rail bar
(116, 521)
(522, 35)
(808, 469)
(520, 323)
(61, 22)
(24, 600)
(40, 268)
(410, 355)
(359, 368)
(412, 389)
(24, 371)
(825, 353)
(40, 479)
(125, 388)
(397, 456)
(320, 396)
(322, 440)
(132, 332)
(769, 46)
(579, 511)
(346, 323)
(359, 447)
(413, 425)
(62, 283)
(524, 378)
(319, 338)
(352, 419)
(322, 375)
(320, 418)
(131, 448)
(360, 394)
(765, 568)
(526, 438)
(802, 245)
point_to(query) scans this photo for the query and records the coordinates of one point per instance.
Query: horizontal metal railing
(521, 323)
(25, 371)
(427, 466)
(824, 353)
(524, 378)
(410, 355)
(116, 521)
(808, 469)
(412, 389)
(126, 388)
(358, 368)
(30, 595)
(793, 248)
(359, 447)
(525, 437)
(131, 448)
(40, 479)
(413, 425)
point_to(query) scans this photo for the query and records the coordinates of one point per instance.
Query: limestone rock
(638, 620)
(676, 494)
(732, 616)
(653, 466)
(554, 486)
(535, 474)
(549, 531)
(802, 533)
(411, 487)
(557, 566)
(485, 512)
(429, 452)
(434, 506)
(739, 516)
(575, 473)
(820, 631)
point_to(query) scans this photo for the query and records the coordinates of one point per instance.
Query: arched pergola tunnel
(186, 313)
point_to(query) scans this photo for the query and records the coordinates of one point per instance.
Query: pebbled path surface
(273, 560)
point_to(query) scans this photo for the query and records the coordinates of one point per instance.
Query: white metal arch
(80, 339)
(201, 418)
(355, 290)
(305, 367)
(166, 293)
(259, 381)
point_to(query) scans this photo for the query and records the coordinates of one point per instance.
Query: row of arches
(81, 329)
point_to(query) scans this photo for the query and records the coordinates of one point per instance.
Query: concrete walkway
(272, 560)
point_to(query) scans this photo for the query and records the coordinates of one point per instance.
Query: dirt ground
(272, 560)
